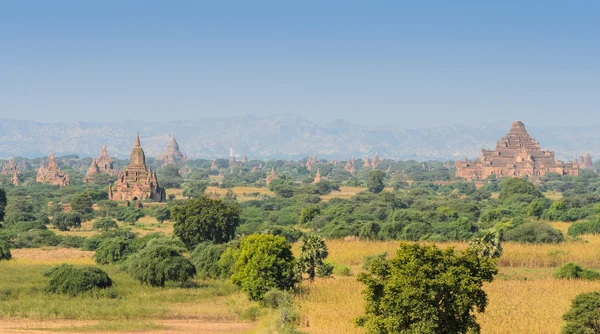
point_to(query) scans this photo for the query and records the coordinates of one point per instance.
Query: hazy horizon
(415, 65)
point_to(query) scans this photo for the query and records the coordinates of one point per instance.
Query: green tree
(205, 258)
(2, 204)
(369, 231)
(195, 189)
(64, 221)
(375, 181)
(104, 224)
(308, 213)
(488, 244)
(158, 263)
(263, 262)
(515, 186)
(584, 315)
(312, 254)
(4, 251)
(204, 219)
(425, 290)
(82, 204)
(113, 250)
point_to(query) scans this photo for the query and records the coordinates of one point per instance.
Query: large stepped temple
(136, 182)
(172, 155)
(516, 155)
(51, 174)
(10, 168)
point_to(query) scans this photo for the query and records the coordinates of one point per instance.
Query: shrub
(104, 224)
(341, 270)
(584, 315)
(370, 258)
(70, 280)
(64, 221)
(369, 231)
(534, 232)
(263, 262)
(276, 298)
(205, 258)
(425, 290)
(72, 241)
(574, 271)
(586, 227)
(325, 270)
(204, 219)
(4, 251)
(113, 250)
(158, 263)
(36, 238)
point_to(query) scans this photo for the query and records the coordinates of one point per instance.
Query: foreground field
(523, 298)
(211, 306)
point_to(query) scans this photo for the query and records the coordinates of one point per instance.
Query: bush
(263, 262)
(586, 227)
(275, 298)
(160, 262)
(70, 280)
(205, 258)
(341, 270)
(4, 251)
(584, 315)
(574, 271)
(370, 258)
(204, 219)
(534, 232)
(113, 250)
(104, 224)
(64, 221)
(72, 241)
(36, 238)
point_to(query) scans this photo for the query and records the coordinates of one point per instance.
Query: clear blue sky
(374, 62)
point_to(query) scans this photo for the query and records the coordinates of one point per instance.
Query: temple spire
(137, 141)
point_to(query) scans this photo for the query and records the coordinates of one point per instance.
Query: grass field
(242, 193)
(523, 298)
(127, 306)
(143, 226)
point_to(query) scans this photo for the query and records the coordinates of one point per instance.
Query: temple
(585, 162)
(10, 168)
(317, 177)
(516, 155)
(136, 182)
(172, 154)
(101, 165)
(51, 174)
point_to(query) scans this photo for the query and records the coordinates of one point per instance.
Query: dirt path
(167, 326)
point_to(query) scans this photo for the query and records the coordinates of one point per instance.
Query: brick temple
(516, 155)
(136, 182)
(51, 174)
(172, 154)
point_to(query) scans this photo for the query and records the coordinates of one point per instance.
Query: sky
(410, 63)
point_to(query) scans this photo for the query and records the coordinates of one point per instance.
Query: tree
(82, 204)
(204, 219)
(488, 244)
(4, 251)
(104, 224)
(158, 263)
(195, 189)
(425, 290)
(113, 250)
(263, 262)
(312, 254)
(375, 181)
(369, 231)
(515, 186)
(584, 315)
(161, 214)
(308, 213)
(205, 258)
(2, 204)
(64, 221)
(70, 280)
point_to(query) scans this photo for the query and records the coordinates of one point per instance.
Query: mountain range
(279, 136)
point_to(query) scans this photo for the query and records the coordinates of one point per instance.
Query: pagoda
(516, 155)
(172, 154)
(136, 182)
(10, 168)
(52, 174)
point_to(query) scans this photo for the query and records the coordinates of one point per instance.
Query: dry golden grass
(523, 298)
(143, 226)
(51, 255)
(345, 192)
(553, 195)
(242, 193)
(177, 192)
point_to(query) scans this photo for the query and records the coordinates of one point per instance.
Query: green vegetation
(4, 251)
(263, 262)
(584, 315)
(313, 252)
(70, 280)
(204, 219)
(425, 290)
(574, 271)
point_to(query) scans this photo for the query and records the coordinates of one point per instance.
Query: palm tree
(312, 253)
(488, 244)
